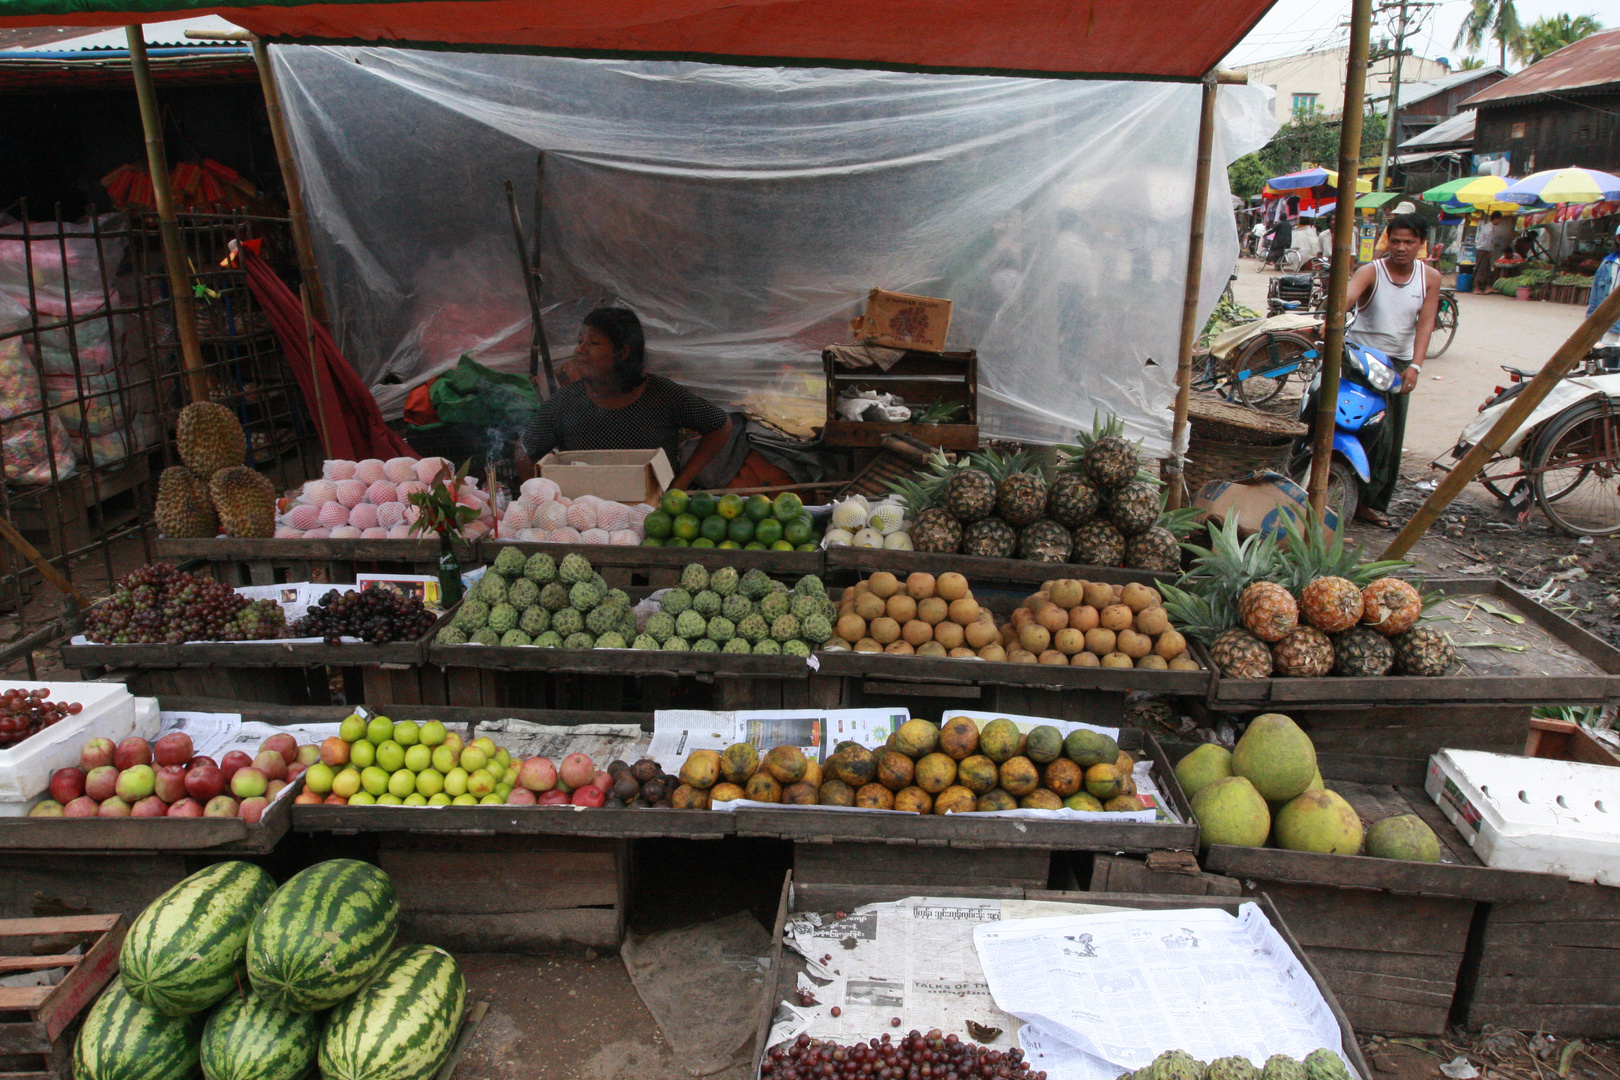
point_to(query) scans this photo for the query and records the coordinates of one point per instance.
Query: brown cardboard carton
(627, 476)
(1259, 500)
(903, 321)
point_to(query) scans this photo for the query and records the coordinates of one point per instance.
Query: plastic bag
(471, 393)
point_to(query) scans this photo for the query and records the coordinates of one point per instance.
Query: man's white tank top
(1389, 320)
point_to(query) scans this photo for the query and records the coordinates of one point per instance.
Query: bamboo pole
(1189, 296)
(174, 252)
(1570, 353)
(297, 215)
(1344, 234)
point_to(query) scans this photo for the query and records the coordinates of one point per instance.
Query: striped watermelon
(402, 1024)
(185, 950)
(248, 1038)
(124, 1040)
(322, 935)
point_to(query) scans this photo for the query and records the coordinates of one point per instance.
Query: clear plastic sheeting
(744, 213)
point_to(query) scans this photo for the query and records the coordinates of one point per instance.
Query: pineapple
(1303, 653)
(1134, 508)
(990, 537)
(1238, 654)
(1097, 543)
(1210, 617)
(1020, 490)
(1362, 652)
(1267, 610)
(1072, 500)
(1044, 541)
(1309, 552)
(1156, 549)
(1107, 458)
(1390, 606)
(1423, 650)
(1331, 604)
(969, 495)
(935, 530)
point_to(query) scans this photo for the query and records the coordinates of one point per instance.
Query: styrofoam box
(110, 711)
(1536, 814)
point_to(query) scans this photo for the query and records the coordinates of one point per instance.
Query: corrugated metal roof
(28, 37)
(1458, 129)
(1412, 93)
(1590, 62)
(79, 39)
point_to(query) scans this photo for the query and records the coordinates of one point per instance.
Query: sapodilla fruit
(369, 470)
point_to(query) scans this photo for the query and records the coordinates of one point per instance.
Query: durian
(245, 501)
(184, 508)
(209, 438)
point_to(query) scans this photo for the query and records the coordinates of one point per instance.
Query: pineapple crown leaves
(1310, 551)
(1229, 565)
(999, 466)
(1180, 523)
(918, 492)
(1201, 616)
(1103, 426)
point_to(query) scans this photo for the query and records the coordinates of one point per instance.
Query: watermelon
(184, 951)
(248, 1038)
(402, 1024)
(322, 935)
(123, 1039)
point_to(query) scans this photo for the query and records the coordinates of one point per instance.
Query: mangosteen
(654, 790)
(613, 802)
(615, 767)
(644, 770)
(638, 803)
(664, 804)
(625, 787)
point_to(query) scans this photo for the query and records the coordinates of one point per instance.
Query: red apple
(201, 759)
(577, 770)
(308, 754)
(46, 808)
(589, 795)
(273, 788)
(521, 796)
(295, 770)
(113, 807)
(203, 782)
(554, 797)
(220, 806)
(67, 784)
(135, 783)
(173, 749)
(83, 806)
(249, 782)
(335, 800)
(232, 761)
(602, 781)
(96, 753)
(132, 751)
(186, 808)
(151, 806)
(253, 809)
(102, 783)
(335, 752)
(272, 764)
(283, 744)
(537, 774)
(170, 785)
(308, 798)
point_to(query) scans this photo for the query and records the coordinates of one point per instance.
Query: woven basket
(1209, 459)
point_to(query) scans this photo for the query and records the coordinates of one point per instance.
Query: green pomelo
(1276, 756)
(1231, 811)
(1405, 837)
(1319, 821)
(1205, 765)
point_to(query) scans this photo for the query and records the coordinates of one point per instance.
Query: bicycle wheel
(1576, 472)
(1445, 327)
(1290, 260)
(1268, 353)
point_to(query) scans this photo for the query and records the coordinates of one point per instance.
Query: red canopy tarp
(1154, 39)
(348, 417)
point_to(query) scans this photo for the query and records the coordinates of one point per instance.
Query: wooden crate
(1389, 935)
(73, 514)
(1564, 740)
(221, 836)
(917, 377)
(272, 562)
(35, 1021)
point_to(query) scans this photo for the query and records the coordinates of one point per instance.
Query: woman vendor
(612, 404)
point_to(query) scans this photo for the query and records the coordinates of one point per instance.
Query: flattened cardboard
(903, 321)
(627, 476)
(1259, 499)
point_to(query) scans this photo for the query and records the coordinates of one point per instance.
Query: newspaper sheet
(217, 734)
(678, 732)
(603, 742)
(1124, 986)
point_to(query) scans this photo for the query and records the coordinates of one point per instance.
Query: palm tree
(1550, 33)
(1471, 63)
(1498, 19)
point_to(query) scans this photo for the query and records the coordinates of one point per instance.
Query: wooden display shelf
(915, 377)
(845, 565)
(946, 670)
(89, 836)
(35, 1032)
(272, 562)
(1561, 663)
(1564, 740)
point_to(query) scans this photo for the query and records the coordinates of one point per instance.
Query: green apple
(402, 783)
(432, 733)
(503, 757)
(453, 741)
(374, 780)
(407, 732)
(455, 782)
(318, 778)
(503, 790)
(491, 799)
(380, 730)
(464, 799)
(362, 798)
(363, 753)
(509, 777)
(346, 783)
(439, 799)
(418, 757)
(430, 781)
(390, 756)
(388, 798)
(473, 758)
(416, 798)
(480, 783)
(444, 758)
(353, 728)
(486, 744)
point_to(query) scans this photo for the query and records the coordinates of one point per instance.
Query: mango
(955, 800)
(1086, 748)
(996, 799)
(915, 739)
(999, 740)
(914, 799)
(701, 769)
(786, 764)
(935, 773)
(739, 762)
(977, 773)
(1018, 776)
(895, 770)
(958, 739)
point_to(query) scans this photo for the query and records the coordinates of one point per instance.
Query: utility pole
(1404, 24)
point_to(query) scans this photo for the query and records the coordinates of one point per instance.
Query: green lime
(758, 508)
(702, 503)
(730, 506)
(740, 530)
(703, 542)
(651, 541)
(781, 545)
(729, 545)
(687, 526)
(768, 531)
(798, 531)
(713, 528)
(674, 502)
(787, 506)
(659, 524)
(677, 541)
(808, 547)
(753, 545)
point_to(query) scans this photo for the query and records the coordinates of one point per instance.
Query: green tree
(1247, 175)
(1496, 19)
(1550, 33)
(1472, 63)
(1315, 139)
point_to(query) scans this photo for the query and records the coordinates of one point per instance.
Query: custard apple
(534, 620)
(484, 636)
(661, 626)
(736, 607)
(675, 644)
(502, 617)
(514, 638)
(737, 645)
(774, 605)
(785, 628)
(450, 635)
(706, 603)
(473, 614)
(754, 629)
(540, 569)
(705, 645)
(695, 577)
(676, 601)
(549, 640)
(584, 596)
(767, 647)
(611, 640)
(724, 581)
(522, 593)
(509, 563)
(579, 641)
(574, 569)
(554, 596)
(644, 641)
(567, 622)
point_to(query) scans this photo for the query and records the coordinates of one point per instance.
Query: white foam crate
(110, 711)
(1535, 814)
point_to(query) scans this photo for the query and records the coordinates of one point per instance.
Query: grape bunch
(159, 605)
(26, 712)
(376, 616)
(911, 1058)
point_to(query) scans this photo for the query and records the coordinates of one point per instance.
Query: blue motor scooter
(1366, 379)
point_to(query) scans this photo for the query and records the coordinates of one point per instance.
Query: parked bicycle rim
(1576, 472)
(1445, 327)
(1267, 353)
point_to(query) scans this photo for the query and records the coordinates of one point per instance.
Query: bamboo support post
(174, 252)
(1570, 353)
(1344, 231)
(1189, 299)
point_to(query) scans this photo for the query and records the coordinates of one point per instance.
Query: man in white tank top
(1395, 299)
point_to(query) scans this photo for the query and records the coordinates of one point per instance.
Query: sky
(1296, 26)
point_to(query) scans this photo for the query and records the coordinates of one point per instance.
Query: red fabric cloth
(354, 424)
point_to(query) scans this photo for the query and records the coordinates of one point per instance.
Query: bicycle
(1257, 372)
(1445, 323)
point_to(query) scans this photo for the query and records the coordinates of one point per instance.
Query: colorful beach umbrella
(1563, 186)
(1312, 178)
(1476, 192)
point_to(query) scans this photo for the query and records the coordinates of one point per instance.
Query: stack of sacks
(370, 500)
(540, 512)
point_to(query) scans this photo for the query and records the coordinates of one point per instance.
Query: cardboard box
(903, 321)
(1259, 499)
(627, 476)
